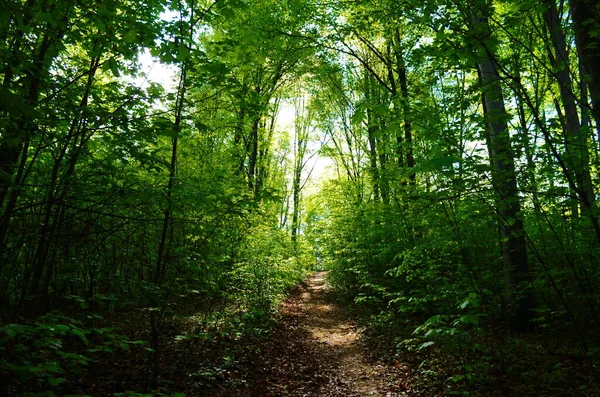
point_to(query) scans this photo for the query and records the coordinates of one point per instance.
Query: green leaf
(425, 345)
(55, 381)
(182, 53)
(358, 116)
(469, 319)
(81, 335)
(52, 366)
(130, 36)
(114, 67)
(100, 25)
(456, 378)
(154, 51)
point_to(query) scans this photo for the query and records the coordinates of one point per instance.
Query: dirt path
(331, 329)
(315, 351)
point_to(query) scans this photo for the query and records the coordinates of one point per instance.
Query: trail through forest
(315, 351)
(170, 170)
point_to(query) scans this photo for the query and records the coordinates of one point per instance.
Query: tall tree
(575, 138)
(508, 204)
(302, 126)
(586, 19)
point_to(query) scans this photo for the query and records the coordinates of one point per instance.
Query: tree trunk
(22, 126)
(586, 20)
(371, 128)
(576, 141)
(302, 123)
(16, 138)
(162, 247)
(373, 157)
(253, 154)
(404, 100)
(518, 294)
(55, 197)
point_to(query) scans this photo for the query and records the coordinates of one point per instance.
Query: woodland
(438, 158)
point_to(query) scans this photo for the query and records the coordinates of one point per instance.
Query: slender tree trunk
(371, 129)
(296, 203)
(528, 149)
(239, 140)
(384, 182)
(373, 157)
(302, 123)
(297, 169)
(576, 140)
(518, 293)
(21, 127)
(586, 20)
(253, 154)
(162, 247)
(264, 154)
(13, 139)
(16, 138)
(584, 103)
(56, 194)
(400, 135)
(408, 141)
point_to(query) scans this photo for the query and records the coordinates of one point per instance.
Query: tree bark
(253, 154)
(21, 126)
(586, 20)
(518, 294)
(371, 129)
(575, 139)
(162, 247)
(407, 125)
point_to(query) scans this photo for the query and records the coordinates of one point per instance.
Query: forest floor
(314, 347)
(315, 351)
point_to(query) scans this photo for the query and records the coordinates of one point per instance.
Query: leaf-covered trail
(315, 351)
(336, 334)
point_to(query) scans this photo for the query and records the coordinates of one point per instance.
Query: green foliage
(122, 194)
(46, 353)
(269, 268)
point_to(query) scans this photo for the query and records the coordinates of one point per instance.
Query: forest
(172, 170)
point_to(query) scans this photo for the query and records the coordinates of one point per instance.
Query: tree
(504, 181)
(586, 17)
(302, 127)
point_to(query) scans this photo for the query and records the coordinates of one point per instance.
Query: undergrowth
(174, 341)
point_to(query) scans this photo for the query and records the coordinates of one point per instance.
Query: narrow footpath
(315, 351)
